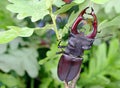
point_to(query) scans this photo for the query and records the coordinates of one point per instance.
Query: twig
(74, 81)
(66, 85)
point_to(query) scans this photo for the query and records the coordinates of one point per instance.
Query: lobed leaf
(114, 73)
(9, 35)
(113, 49)
(50, 54)
(112, 5)
(64, 8)
(45, 82)
(101, 57)
(29, 8)
(3, 48)
(113, 22)
(5, 16)
(114, 84)
(92, 66)
(58, 3)
(11, 81)
(20, 61)
(22, 32)
(103, 66)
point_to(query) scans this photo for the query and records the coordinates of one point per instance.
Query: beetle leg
(60, 52)
(59, 43)
(59, 46)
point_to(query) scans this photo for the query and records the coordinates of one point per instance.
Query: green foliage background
(28, 52)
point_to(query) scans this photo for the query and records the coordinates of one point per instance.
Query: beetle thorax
(77, 44)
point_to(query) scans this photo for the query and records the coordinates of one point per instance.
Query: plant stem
(74, 81)
(32, 83)
(54, 24)
(66, 85)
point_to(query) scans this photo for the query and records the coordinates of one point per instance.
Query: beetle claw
(80, 18)
(94, 24)
(77, 21)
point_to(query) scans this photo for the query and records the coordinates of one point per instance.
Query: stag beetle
(71, 59)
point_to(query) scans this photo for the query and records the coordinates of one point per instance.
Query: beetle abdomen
(68, 67)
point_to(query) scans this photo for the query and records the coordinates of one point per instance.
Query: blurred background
(31, 62)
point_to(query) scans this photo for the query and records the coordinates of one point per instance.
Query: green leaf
(101, 57)
(113, 49)
(23, 32)
(2, 86)
(7, 36)
(54, 71)
(3, 48)
(45, 82)
(96, 86)
(104, 79)
(112, 5)
(20, 61)
(11, 81)
(29, 8)
(5, 16)
(114, 73)
(48, 3)
(115, 84)
(100, 1)
(58, 3)
(102, 65)
(78, 1)
(51, 54)
(92, 66)
(113, 22)
(64, 8)
(15, 43)
(41, 31)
